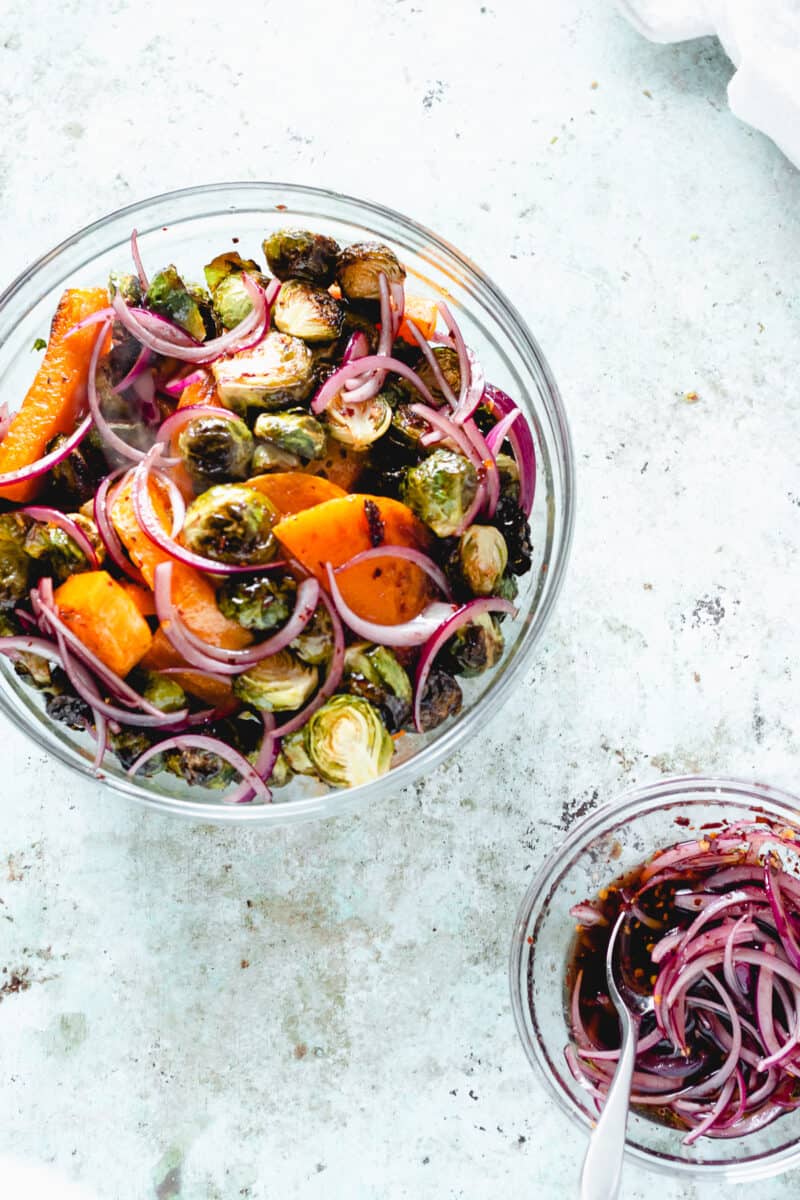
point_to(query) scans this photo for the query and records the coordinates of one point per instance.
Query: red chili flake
(682, 821)
(529, 940)
(374, 523)
(280, 207)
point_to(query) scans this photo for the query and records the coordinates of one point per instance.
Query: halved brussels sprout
(268, 457)
(360, 266)
(230, 297)
(86, 523)
(442, 699)
(293, 748)
(130, 744)
(475, 648)
(228, 263)
(513, 524)
(167, 694)
(483, 558)
(358, 425)
(199, 768)
(231, 523)
(315, 644)
(440, 490)
(126, 285)
(216, 449)
(407, 427)
(374, 673)
(169, 295)
(295, 432)
(257, 601)
(280, 682)
(55, 549)
(448, 362)
(347, 742)
(508, 471)
(14, 573)
(299, 254)
(276, 372)
(307, 312)
(76, 477)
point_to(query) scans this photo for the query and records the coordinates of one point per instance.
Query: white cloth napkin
(762, 39)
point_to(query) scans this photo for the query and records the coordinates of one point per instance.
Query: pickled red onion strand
(137, 261)
(497, 434)
(109, 436)
(332, 680)
(335, 382)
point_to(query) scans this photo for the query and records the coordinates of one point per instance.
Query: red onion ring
(522, 445)
(179, 383)
(497, 435)
(332, 680)
(214, 746)
(137, 261)
(334, 383)
(421, 560)
(108, 435)
(52, 516)
(141, 364)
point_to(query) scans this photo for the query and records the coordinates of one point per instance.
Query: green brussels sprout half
(257, 601)
(278, 683)
(230, 297)
(55, 550)
(374, 673)
(483, 557)
(130, 744)
(475, 647)
(216, 449)
(269, 457)
(299, 254)
(167, 694)
(442, 699)
(440, 490)
(315, 644)
(358, 425)
(277, 372)
(307, 312)
(231, 523)
(14, 527)
(169, 296)
(229, 263)
(126, 285)
(360, 267)
(347, 742)
(294, 750)
(211, 322)
(296, 432)
(407, 427)
(448, 362)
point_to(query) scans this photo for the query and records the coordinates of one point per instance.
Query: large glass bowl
(612, 840)
(188, 227)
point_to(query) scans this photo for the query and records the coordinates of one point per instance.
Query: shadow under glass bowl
(188, 227)
(611, 841)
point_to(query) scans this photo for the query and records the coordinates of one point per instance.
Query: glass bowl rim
(636, 801)
(332, 803)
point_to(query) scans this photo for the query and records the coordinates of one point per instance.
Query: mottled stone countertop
(322, 1011)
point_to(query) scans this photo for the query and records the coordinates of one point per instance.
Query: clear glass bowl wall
(190, 226)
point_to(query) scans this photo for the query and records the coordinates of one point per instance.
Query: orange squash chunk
(292, 491)
(100, 612)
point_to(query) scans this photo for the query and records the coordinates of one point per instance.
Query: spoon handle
(602, 1166)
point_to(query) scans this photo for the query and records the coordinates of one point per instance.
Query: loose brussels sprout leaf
(440, 490)
(55, 551)
(358, 425)
(231, 523)
(86, 523)
(165, 693)
(200, 768)
(448, 361)
(442, 699)
(483, 557)
(508, 472)
(508, 589)
(281, 772)
(71, 710)
(295, 432)
(293, 748)
(475, 648)
(257, 601)
(360, 266)
(315, 644)
(299, 254)
(278, 683)
(513, 524)
(216, 449)
(307, 312)
(348, 742)
(168, 295)
(229, 263)
(130, 744)
(268, 457)
(126, 285)
(277, 372)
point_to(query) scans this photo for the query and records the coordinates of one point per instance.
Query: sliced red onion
(212, 675)
(410, 633)
(522, 445)
(497, 435)
(357, 347)
(213, 746)
(137, 261)
(179, 383)
(359, 391)
(788, 940)
(332, 680)
(52, 516)
(182, 416)
(101, 735)
(335, 382)
(144, 388)
(48, 461)
(462, 616)
(397, 292)
(587, 915)
(486, 458)
(109, 436)
(141, 364)
(408, 553)
(264, 764)
(96, 318)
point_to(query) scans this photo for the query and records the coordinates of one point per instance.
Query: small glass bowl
(188, 227)
(612, 840)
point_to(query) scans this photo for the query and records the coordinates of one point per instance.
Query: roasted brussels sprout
(358, 425)
(269, 457)
(296, 432)
(211, 322)
(55, 550)
(14, 527)
(280, 682)
(347, 742)
(126, 285)
(294, 750)
(442, 699)
(508, 472)
(130, 744)
(199, 768)
(166, 693)
(257, 602)
(507, 589)
(407, 427)
(169, 296)
(229, 263)
(483, 557)
(356, 322)
(440, 490)
(513, 524)
(216, 449)
(86, 523)
(307, 312)
(231, 523)
(77, 476)
(475, 648)
(448, 362)
(299, 254)
(37, 672)
(281, 772)
(374, 673)
(360, 266)
(69, 709)
(277, 372)
(315, 644)
(232, 301)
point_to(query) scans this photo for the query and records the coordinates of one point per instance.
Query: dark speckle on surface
(709, 610)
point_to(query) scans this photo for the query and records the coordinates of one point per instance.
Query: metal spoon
(602, 1166)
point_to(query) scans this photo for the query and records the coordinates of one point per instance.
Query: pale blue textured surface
(322, 1011)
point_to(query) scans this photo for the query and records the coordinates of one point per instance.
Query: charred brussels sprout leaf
(293, 748)
(231, 523)
(307, 312)
(130, 744)
(77, 476)
(407, 427)
(507, 589)
(124, 284)
(169, 296)
(315, 644)
(216, 449)
(165, 693)
(299, 254)
(278, 683)
(276, 373)
(440, 490)
(55, 550)
(360, 267)
(448, 362)
(358, 425)
(14, 573)
(483, 558)
(374, 673)
(281, 772)
(295, 432)
(199, 768)
(442, 699)
(269, 457)
(70, 710)
(513, 524)
(475, 648)
(257, 602)
(348, 742)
